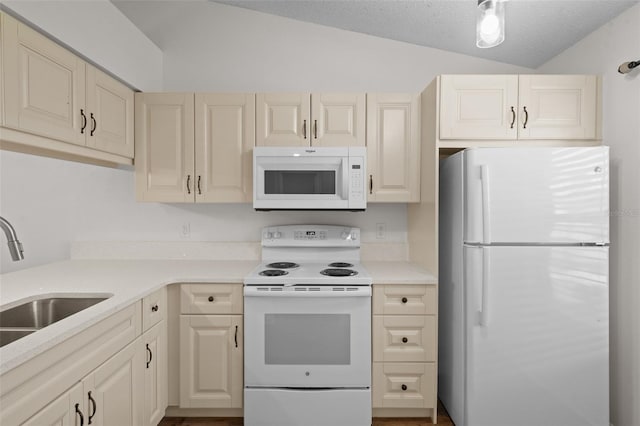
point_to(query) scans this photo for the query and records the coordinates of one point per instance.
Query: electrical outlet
(185, 230)
(381, 230)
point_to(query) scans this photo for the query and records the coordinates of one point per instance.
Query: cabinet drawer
(405, 299)
(398, 385)
(211, 299)
(154, 308)
(404, 338)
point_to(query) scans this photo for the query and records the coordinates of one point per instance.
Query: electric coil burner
(307, 330)
(272, 273)
(283, 265)
(338, 272)
(340, 265)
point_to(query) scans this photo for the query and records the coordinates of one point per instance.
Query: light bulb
(490, 23)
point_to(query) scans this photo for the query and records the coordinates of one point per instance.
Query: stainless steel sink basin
(24, 319)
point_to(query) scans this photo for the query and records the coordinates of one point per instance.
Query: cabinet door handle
(94, 124)
(84, 126)
(405, 340)
(154, 308)
(405, 300)
(315, 129)
(188, 184)
(513, 117)
(304, 128)
(370, 184)
(95, 407)
(199, 189)
(150, 355)
(526, 117)
(236, 336)
(211, 299)
(404, 387)
(78, 412)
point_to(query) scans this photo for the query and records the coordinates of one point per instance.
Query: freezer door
(537, 336)
(537, 195)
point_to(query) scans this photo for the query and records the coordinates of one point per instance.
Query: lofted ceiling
(536, 30)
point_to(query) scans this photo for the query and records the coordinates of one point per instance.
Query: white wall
(99, 31)
(53, 202)
(601, 53)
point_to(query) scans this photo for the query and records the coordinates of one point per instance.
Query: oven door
(307, 339)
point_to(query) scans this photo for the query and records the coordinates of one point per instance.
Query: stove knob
(269, 235)
(345, 235)
(277, 235)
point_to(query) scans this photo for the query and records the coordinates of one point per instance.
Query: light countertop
(128, 281)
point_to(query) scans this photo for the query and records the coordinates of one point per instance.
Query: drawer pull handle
(150, 355)
(405, 300)
(211, 299)
(95, 407)
(405, 340)
(404, 387)
(80, 414)
(154, 308)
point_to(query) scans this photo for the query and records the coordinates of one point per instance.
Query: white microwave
(324, 178)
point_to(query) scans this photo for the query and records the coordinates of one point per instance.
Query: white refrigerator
(524, 287)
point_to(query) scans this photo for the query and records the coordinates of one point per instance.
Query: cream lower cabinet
(211, 349)
(50, 92)
(404, 350)
(155, 374)
(194, 147)
(68, 410)
(316, 119)
(115, 390)
(393, 147)
(518, 107)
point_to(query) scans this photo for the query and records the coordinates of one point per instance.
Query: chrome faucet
(15, 246)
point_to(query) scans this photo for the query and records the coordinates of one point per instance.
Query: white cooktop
(308, 273)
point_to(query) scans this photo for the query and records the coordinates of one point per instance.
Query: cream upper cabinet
(194, 148)
(110, 109)
(114, 391)
(224, 141)
(393, 147)
(44, 85)
(316, 119)
(211, 361)
(50, 92)
(164, 134)
(510, 107)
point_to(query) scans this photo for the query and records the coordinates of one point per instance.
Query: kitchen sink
(29, 317)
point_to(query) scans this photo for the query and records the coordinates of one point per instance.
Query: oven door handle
(251, 292)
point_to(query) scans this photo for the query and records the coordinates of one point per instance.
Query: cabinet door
(283, 119)
(211, 361)
(557, 107)
(478, 106)
(110, 109)
(393, 147)
(67, 410)
(155, 374)
(164, 154)
(114, 391)
(44, 85)
(338, 119)
(225, 136)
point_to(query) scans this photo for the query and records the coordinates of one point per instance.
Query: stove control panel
(311, 235)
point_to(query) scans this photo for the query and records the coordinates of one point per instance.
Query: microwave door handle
(345, 179)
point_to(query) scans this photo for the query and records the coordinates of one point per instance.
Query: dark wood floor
(443, 420)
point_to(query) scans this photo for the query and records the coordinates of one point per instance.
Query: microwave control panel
(357, 177)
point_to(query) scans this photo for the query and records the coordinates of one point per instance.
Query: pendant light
(490, 23)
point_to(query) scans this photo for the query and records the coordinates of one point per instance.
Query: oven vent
(314, 288)
(338, 289)
(352, 288)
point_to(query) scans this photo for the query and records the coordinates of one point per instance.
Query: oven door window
(305, 182)
(307, 339)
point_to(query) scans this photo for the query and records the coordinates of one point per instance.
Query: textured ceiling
(536, 30)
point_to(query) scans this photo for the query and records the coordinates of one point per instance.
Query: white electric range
(307, 313)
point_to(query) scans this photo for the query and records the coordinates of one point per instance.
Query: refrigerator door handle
(486, 200)
(486, 274)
